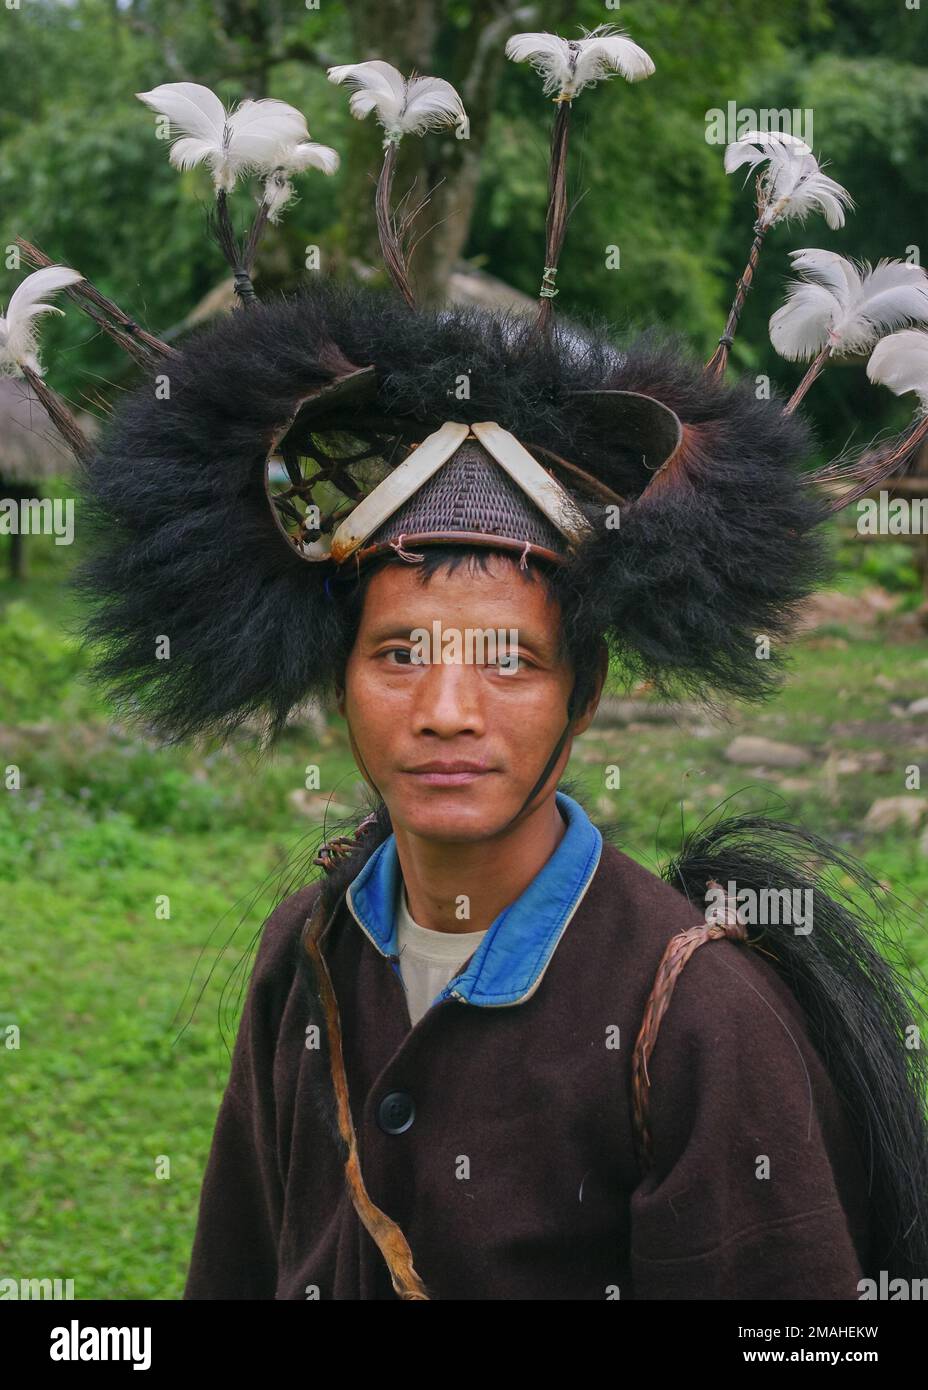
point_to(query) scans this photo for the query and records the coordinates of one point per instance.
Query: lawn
(135, 878)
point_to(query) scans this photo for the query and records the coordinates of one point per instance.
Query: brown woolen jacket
(517, 1178)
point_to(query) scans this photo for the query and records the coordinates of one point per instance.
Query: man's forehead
(501, 595)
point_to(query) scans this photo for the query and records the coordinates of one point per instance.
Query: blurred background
(120, 1015)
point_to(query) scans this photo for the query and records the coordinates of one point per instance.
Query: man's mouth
(455, 773)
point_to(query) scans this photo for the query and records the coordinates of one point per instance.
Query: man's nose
(448, 700)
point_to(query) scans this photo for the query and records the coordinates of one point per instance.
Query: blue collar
(509, 962)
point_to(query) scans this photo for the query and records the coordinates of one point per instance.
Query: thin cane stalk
(224, 233)
(390, 246)
(815, 371)
(717, 363)
(556, 222)
(60, 415)
(144, 347)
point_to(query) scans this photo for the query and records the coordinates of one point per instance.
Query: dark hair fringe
(858, 1004)
(184, 545)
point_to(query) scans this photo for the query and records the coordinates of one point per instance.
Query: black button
(396, 1112)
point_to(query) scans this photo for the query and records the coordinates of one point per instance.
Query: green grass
(117, 1070)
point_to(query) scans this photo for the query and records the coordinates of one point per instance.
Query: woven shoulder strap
(387, 1235)
(724, 924)
(383, 1230)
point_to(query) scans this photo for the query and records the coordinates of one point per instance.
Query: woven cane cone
(471, 493)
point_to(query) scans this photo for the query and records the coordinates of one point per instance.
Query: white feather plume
(232, 143)
(18, 329)
(755, 146)
(402, 106)
(793, 185)
(308, 154)
(295, 159)
(846, 306)
(900, 361)
(569, 65)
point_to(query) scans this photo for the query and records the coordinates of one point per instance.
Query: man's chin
(450, 816)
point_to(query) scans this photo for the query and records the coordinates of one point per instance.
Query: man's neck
(485, 877)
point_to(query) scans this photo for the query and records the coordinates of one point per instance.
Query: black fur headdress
(676, 507)
(706, 555)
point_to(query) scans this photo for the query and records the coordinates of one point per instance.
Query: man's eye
(407, 656)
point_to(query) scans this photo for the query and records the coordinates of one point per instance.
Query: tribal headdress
(293, 441)
(277, 453)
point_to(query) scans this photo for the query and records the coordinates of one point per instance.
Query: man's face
(415, 723)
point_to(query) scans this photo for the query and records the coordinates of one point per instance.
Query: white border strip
(399, 485)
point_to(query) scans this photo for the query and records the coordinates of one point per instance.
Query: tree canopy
(82, 176)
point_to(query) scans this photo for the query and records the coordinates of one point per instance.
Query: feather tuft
(18, 329)
(845, 306)
(793, 184)
(402, 106)
(233, 143)
(900, 361)
(570, 65)
(294, 159)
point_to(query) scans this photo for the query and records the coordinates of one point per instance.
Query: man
(604, 1097)
(494, 1122)
(490, 1056)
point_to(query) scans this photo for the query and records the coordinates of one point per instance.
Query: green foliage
(892, 566)
(39, 663)
(125, 1017)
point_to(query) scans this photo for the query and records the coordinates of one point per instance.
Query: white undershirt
(428, 958)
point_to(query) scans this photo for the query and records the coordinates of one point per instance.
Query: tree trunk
(17, 556)
(17, 551)
(921, 471)
(408, 34)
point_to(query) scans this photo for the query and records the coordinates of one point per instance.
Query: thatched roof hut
(31, 450)
(31, 453)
